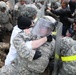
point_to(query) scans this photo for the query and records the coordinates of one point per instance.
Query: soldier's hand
(49, 38)
(37, 55)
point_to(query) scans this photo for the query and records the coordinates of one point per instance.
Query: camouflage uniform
(20, 9)
(68, 48)
(31, 11)
(5, 18)
(23, 64)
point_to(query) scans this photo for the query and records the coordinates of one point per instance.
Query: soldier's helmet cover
(30, 12)
(2, 4)
(32, 5)
(44, 26)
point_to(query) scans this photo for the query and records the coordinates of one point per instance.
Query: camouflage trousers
(68, 69)
(7, 26)
(13, 70)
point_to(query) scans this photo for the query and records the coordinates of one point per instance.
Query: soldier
(5, 17)
(68, 53)
(29, 46)
(30, 13)
(8, 4)
(68, 56)
(20, 7)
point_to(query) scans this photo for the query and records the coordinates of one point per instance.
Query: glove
(37, 55)
(49, 38)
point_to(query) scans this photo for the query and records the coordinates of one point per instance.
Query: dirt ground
(4, 52)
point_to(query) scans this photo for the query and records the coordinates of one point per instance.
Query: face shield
(43, 27)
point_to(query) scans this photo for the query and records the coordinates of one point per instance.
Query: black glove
(37, 55)
(49, 38)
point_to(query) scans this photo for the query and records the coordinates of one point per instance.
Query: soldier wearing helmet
(20, 7)
(5, 17)
(29, 46)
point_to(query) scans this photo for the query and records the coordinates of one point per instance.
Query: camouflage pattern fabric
(22, 64)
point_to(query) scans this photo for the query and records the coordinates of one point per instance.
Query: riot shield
(42, 12)
(57, 47)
